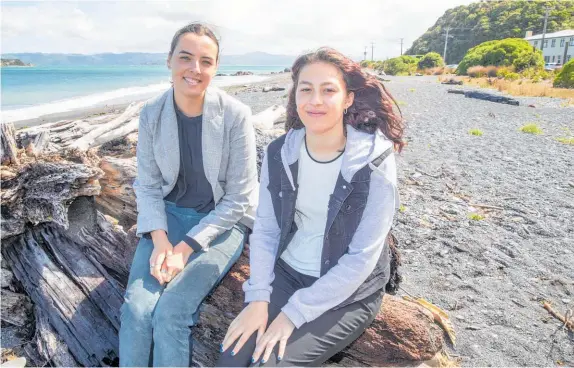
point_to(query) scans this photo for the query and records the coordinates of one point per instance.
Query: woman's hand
(177, 260)
(252, 318)
(161, 248)
(278, 332)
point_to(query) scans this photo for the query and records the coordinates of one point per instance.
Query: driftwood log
(486, 96)
(63, 240)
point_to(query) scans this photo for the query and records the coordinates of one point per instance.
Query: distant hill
(13, 62)
(491, 20)
(139, 58)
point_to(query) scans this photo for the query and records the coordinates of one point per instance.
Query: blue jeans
(156, 320)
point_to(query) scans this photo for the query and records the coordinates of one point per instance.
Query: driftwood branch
(568, 323)
(109, 131)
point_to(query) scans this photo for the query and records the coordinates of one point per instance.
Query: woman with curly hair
(319, 257)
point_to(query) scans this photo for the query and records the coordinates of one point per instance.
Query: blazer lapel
(212, 136)
(170, 138)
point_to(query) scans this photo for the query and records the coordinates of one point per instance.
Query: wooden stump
(117, 197)
(8, 144)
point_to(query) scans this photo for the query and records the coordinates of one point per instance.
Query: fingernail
(252, 360)
(263, 361)
(232, 353)
(279, 358)
(221, 348)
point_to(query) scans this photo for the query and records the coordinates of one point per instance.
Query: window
(535, 43)
(553, 58)
(546, 59)
(571, 41)
(545, 43)
(568, 57)
(553, 43)
(558, 59)
(561, 42)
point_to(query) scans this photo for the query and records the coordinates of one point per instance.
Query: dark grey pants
(316, 341)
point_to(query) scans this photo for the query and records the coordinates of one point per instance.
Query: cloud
(285, 27)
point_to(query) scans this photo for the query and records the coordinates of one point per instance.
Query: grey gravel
(515, 257)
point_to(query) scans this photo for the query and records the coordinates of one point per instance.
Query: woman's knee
(136, 310)
(172, 312)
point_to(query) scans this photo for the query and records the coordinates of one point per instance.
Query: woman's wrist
(158, 235)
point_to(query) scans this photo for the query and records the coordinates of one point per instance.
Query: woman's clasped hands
(167, 261)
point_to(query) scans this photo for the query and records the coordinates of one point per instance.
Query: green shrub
(504, 70)
(565, 79)
(512, 76)
(402, 65)
(366, 63)
(476, 132)
(511, 51)
(430, 60)
(531, 129)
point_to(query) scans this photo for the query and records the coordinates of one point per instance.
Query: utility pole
(544, 29)
(402, 45)
(445, 44)
(372, 50)
(365, 53)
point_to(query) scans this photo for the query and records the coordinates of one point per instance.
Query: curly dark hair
(372, 107)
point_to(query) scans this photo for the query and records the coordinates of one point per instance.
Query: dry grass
(566, 140)
(522, 87)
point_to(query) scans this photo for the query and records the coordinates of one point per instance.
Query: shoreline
(120, 103)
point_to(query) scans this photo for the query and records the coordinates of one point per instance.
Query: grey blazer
(229, 161)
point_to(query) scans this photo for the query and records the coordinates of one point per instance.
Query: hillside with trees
(491, 20)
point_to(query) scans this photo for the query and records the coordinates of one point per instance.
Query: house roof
(564, 33)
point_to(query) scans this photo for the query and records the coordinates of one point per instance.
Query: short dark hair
(199, 29)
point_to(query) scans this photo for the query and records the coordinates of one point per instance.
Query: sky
(273, 26)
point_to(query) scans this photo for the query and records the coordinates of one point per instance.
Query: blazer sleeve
(148, 183)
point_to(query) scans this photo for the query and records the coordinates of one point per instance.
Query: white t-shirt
(317, 182)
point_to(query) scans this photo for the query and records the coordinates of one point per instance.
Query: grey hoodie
(353, 268)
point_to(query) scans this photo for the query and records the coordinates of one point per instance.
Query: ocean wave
(117, 96)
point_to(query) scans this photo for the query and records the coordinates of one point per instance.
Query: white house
(558, 46)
